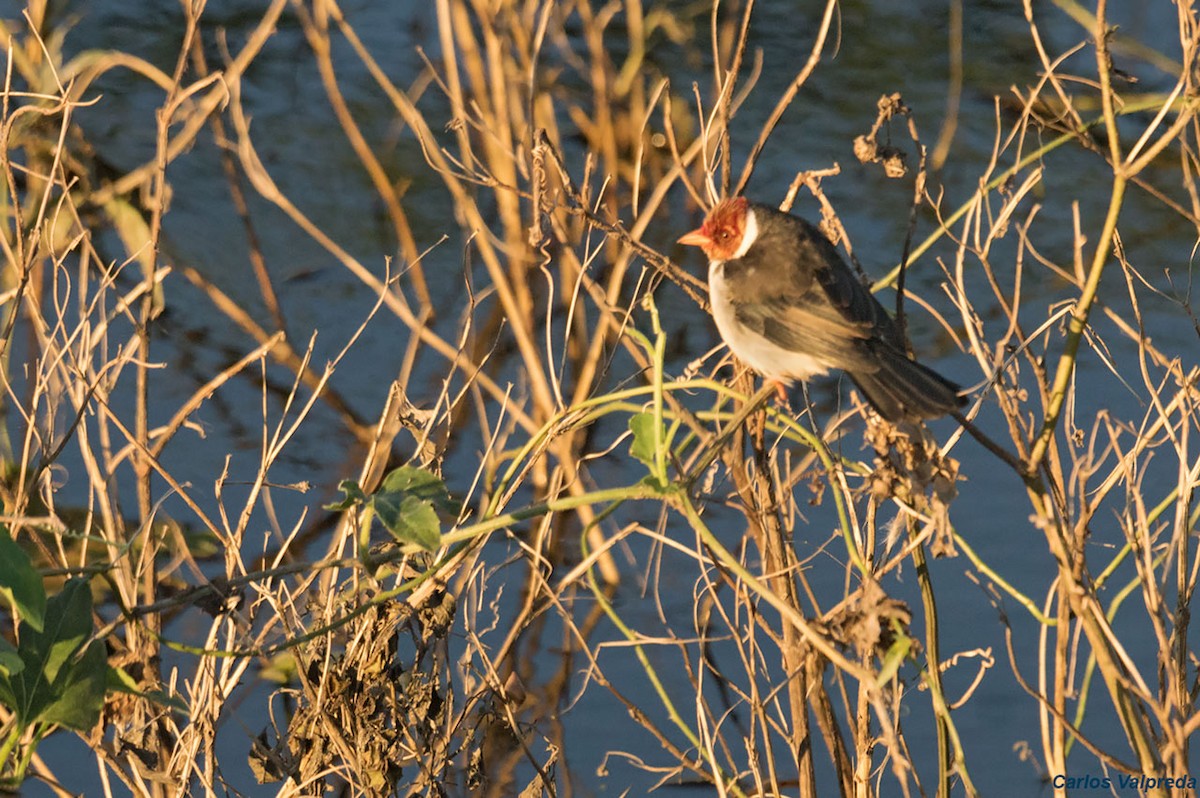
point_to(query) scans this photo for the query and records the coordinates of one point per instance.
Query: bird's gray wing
(796, 323)
(794, 289)
(846, 292)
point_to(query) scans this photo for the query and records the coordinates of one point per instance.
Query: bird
(788, 306)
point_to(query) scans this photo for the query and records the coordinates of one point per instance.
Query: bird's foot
(781, 395)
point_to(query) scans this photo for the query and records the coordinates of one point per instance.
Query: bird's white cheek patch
(748, 236)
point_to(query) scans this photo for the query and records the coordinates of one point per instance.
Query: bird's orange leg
(781, 394)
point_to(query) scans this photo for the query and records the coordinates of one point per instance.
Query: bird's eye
(723, 235)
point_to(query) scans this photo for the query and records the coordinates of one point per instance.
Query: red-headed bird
(787, 305)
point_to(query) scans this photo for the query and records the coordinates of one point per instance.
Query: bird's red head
(722, 231)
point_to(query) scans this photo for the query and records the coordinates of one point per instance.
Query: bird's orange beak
(696, 238)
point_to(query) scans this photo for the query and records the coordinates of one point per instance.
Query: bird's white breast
(759, 353)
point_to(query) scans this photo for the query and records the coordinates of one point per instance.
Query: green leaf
(10, 661)
(410, 520)
(354, 495)
(282, 669)
(642, 427)
(653, 483)
(118, 680)
(78, 693)
(8, 693)
(895, 656)
(421, 483)
(407, 503)
(20, 584)
(53, 671)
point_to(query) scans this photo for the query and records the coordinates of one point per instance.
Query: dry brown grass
(427, 670)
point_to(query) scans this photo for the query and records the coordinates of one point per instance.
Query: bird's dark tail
(904, 389)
